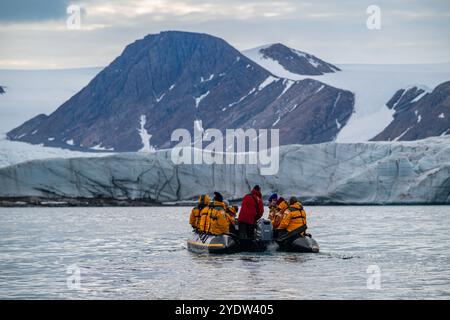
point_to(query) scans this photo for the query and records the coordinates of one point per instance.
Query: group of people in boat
(218, 217)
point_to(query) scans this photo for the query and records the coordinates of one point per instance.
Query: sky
(34, 33)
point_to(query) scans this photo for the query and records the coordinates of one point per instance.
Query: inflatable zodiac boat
(297, 241)
(204, 243)
(300, 244)
(231, 243)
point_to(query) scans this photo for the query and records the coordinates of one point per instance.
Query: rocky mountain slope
(363, 173)
(294, 61)
(167, 81)
(418, 114)
(2, 90)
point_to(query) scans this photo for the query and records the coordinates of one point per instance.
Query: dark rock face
(29, 127)
(174, 78)
(403, 98)
(309, 111)
(298, 62)
(418, 114)
(2, 90)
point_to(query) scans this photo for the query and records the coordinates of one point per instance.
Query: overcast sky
(33, 33)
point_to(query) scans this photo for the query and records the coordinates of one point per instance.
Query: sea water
(367, 252)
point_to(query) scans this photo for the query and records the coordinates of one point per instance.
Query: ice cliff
(356, 173)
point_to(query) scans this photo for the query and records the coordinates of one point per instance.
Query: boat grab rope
(203, 237)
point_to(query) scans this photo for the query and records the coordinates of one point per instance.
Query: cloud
(120, 12)
(32, 10)
(334, 31)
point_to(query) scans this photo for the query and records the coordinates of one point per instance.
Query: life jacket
(279, 214)
(213, 221)
(231, 215)
(272, 211)
(194, 219)
(294, 218)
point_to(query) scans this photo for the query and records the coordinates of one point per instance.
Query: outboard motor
(264, 230)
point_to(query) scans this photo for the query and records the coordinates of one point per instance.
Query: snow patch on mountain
(288, 84)
(199, 99)
(336, 101)
(320, 88)
(241, 99)
(160, 97)
(276, 121)
(400, 136)
(301, 54)
(267, 82)
(145, 136)
(199, 125)
(206, 79)
(420, 96)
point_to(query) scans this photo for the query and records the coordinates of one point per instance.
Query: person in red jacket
(252, 210)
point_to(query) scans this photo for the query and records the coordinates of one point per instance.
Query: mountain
(403, 98)
(363, 173)
(419, 113)
(372, 86)
(167, 81)
(2, 90)
(278, 56)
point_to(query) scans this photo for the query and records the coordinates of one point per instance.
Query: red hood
(256, 193)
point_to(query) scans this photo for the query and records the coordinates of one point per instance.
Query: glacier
(13, 152)
(416, 172)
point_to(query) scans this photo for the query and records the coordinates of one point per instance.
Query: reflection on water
(141, 253)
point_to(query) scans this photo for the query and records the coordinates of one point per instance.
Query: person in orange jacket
(273, 206)
(231, 212)
(203, 202)
(281, 207)
(214, 221)
(294, 217)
